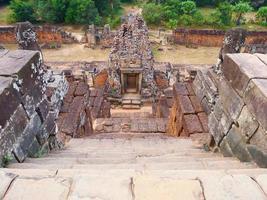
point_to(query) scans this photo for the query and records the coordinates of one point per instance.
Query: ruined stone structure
(236, 104)
(187, 115)
(27, 117)
(214, 38)
(47, 36)
(113, 153)
(26, 37)
(97, 36)
(131, 61)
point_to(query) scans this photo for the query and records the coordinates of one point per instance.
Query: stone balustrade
(27, 119)
(236, 102)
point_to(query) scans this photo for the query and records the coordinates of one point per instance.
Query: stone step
(130, 106)
(131, 154)
(188, 165)
(133, 159)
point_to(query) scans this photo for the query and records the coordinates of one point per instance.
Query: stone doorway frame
(138, 72)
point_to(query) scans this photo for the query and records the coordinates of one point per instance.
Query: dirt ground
(177, 54)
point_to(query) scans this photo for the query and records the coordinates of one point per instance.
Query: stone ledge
(239, 69)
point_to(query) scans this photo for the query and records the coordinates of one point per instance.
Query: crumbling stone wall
(81, 106)
(236, 102)
(48, 36)
(27, 120)
(213, 37)
(96, 36)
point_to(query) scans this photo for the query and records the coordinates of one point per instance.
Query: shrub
(240, 9)
(82, 12)
(152, 13)
(22, 10)
(262, 15)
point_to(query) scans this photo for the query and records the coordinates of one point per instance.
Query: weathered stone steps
(130, 185)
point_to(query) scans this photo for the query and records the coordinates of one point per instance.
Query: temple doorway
(131, 82)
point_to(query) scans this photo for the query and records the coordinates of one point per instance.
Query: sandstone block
(185, 105)
(13, 130)
(238, 145)
(260, 139)
(48, 128)
(225, 148)
(256, 100)
(203, 118)
(231, 102)
(32, 99)
(247, 123)
(258, 155)
(215, 128)
(191, 124)
(196, 104)
(239, 69)
(27, 143)
(9, 99)
(207, 107)
(190, 89)
(24, 65)
(180, 89)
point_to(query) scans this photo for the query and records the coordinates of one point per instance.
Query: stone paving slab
(126, 184)
(39, 188)
(5, 181)
(101, 188)
(147, 188)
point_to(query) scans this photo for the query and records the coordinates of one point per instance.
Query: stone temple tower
(131, 61)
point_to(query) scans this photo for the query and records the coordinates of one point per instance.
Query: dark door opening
(131, 83)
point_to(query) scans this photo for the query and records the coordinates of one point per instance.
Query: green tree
(52, 11)
(172, 10)
(22, 10)
(223, 14)
(82, 12)
(188, 7)
(152, 13)
(262, 14)
(240, 9)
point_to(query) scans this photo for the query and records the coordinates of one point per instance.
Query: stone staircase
(133, 151)
(131, 101)
(134, 166)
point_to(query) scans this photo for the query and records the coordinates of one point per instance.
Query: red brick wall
(211, 38)
(45, 35)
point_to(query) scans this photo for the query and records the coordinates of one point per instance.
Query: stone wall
(48, 36)
(236, 101)
(213, 37)
(187, 116)
(27, 120)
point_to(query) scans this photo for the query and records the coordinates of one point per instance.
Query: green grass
(4, 13)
